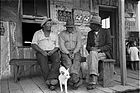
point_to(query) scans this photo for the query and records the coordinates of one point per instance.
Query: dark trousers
(72, 64)
(44, 61)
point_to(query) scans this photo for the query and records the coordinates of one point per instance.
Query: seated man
(70, 44)
(98, 47)
(45, 42)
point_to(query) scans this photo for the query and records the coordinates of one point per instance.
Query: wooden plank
(21, 55)
(38, 81)
(108, 73)
(105, 2)
(76, 4)
(130, 73)
(81, 89)
(29, 86)
(130, 81)
(120, 88)
(27, 55)
(14, 87)
(69, 90)
(96, 91)
(108, 90)
(4, 86)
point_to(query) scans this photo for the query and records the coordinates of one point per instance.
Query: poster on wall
(2, 28)
(64, 15)
(81, 17)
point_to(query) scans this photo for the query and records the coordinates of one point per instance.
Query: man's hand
(71, 55)
(44, 53)
(95, 49)
(50, 53)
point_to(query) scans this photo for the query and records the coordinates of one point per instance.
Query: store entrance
(109, 22)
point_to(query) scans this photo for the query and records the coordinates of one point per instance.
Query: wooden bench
(106, 67)
(106, 72)
(21, 62)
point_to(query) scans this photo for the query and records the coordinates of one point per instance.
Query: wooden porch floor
(37, 85)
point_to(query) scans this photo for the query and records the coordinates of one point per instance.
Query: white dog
(63, 78)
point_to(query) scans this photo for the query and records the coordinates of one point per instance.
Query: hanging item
(81, 17)
(64, 15)
(2, 29)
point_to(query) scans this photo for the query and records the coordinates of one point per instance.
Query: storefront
(28, 16)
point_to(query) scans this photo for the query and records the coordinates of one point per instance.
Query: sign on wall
(82, 17)
(64, 15)
(130, 24)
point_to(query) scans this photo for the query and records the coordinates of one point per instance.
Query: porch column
(122, 51)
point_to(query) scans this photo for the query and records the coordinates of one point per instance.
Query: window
(106, 23)
(28, 30)
(30, 24)
(34, 7)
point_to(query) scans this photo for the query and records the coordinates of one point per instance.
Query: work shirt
(96, 36)
(70, 41)
(45, 43)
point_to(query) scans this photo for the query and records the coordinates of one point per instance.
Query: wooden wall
(4, 49)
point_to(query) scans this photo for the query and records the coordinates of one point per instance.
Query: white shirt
(45, 43)
(133, 51)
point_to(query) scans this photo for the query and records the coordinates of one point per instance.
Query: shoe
(92, 79)
(91, 86)
(74, 78)
(52, 87)
(77, 84)
(52, 82)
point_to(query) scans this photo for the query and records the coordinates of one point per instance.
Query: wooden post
(48, 8)
(91, 7)
(122, 50)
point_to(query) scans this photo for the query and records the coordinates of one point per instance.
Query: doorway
(109, 22)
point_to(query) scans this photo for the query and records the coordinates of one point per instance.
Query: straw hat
(69, 23)
(96, 20)
(48, 20)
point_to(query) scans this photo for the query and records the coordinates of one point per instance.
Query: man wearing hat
(98, 47)
(70, 44)
(45, 42)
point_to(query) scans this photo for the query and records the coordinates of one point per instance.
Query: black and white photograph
(69, 46)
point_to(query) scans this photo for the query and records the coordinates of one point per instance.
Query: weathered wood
(4, 86)
(76, 4)
(105, 2)
(14, 87)
(122, 48)
(39, 81)
(81, 89)
(22, 62)
(107, 72)
(29, 86)
(120, 88)
(96, 91)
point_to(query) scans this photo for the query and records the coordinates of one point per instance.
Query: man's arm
(61, 45)
(38, 49)
(88, 47)
(107, 45)
(56, 45)
(79, 43)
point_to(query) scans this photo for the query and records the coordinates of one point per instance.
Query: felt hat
(95, 20)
